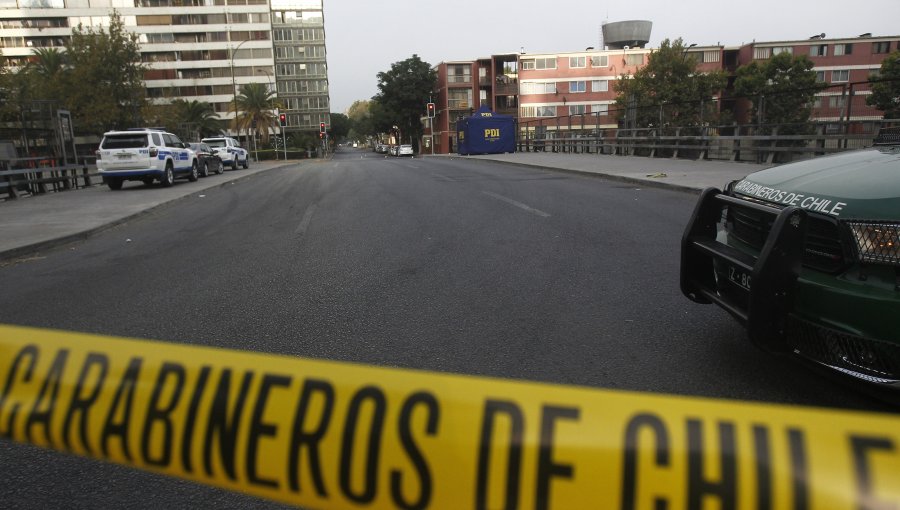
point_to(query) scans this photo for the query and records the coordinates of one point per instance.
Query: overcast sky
(364, 37)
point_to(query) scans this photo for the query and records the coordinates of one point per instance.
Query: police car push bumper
(767, 283)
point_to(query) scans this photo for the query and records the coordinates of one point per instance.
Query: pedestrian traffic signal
(321, 127)
(321, 135)
(430, 109)
(282, 119)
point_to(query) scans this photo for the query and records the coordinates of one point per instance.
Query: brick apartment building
(536, 86)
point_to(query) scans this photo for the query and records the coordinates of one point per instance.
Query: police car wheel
(246, 164)
(168, 177)
(114, 183)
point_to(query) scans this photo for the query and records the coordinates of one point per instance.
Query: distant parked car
(405, 150)
(207, 159)
(229, 150)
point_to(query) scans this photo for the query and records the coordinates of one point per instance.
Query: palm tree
(47, 62)
(49, 68)
(199, 116)
(256, 105)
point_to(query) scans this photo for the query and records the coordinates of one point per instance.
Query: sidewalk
(30, 224)
(679, 174)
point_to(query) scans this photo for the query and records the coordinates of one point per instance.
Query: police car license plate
(739, 277)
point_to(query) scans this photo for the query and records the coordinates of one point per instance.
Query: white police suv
(144, 154)
(230, 151)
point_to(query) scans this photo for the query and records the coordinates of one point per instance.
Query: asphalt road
(440, 264)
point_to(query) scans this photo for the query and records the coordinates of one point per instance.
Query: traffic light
(321, 135)
(321, 128)
(282, 119)
(430, 110)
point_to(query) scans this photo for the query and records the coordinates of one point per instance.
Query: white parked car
(405, 150)
(144, 154)
(230, 151)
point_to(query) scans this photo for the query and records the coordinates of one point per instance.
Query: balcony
(506, 89)
(459, 104)
(462, 78)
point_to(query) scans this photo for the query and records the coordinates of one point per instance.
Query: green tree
(403, 92)
(105, 88)
(781, 90)
(340, 127)
(255, 105)
(886, 87)
(670, 78)
(198, 118)
(361, 124)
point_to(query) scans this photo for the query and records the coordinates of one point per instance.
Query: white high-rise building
(200, 50)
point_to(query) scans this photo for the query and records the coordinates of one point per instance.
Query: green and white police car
(806, 256)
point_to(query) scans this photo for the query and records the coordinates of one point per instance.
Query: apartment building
(845, 65)
(301, 68)
(200, 50)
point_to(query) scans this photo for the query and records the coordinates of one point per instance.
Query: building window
(600, 61)
(537, 111)
(537, 88)
(600, 86)
(577, 86)
(577, 109)
(711, 56)
(843, 49)
(816, 102)
(577, 62)
(782, 49)
(545, 63)
(634, 60)
(818, 50)
(840, 75)
(762, 53)
(459, 98)
(539, 63)
(836, 101)
(602, 109)
(881, 47)
(459, 74)
(820, 76)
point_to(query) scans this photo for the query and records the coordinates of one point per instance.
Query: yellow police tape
(336, 435)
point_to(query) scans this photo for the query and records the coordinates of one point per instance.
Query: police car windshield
(124, 141)
(216, 143)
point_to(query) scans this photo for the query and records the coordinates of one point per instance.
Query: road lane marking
(307, 217)
(518, 204)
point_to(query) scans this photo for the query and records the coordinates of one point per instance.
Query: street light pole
(234, 84)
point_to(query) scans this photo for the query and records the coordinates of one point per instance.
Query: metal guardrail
(761, 144)
(38, 175)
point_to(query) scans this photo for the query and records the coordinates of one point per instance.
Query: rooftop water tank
(633, 33)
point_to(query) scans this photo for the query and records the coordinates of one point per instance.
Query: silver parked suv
(144, 154)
